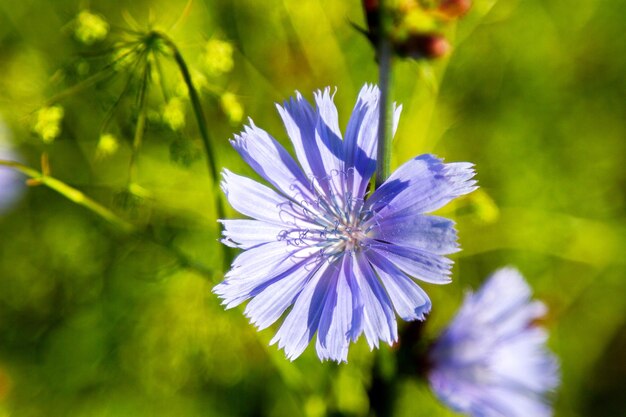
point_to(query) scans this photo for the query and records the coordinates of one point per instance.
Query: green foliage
(99, 321)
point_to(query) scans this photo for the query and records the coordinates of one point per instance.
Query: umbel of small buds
(415, 27)
(492, 359)
(341, 258)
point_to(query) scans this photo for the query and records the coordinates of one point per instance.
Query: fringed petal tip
(224, 181)
(460, 175)
(222, 291)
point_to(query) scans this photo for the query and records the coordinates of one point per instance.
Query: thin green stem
(106, 72)
(141, 123)
(384, 386)
(195, 104)
(88, 82)
(72, 194)
(385, 119)
(202, 126)
(382, 391)
(78, 197)
(164, 89)
(111, 112)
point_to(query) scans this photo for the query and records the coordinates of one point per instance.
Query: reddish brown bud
(424, 46)
(436, 46)
(454, 8)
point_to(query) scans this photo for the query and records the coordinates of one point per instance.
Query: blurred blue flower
(340, 259)
(492, 360)
(11, 181)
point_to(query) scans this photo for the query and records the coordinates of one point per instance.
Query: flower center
(351, 236)
(344, 237)
(332, 221)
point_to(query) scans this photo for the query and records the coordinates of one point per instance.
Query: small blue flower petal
(409, 300)
(361, 140)
(423, 184)
(417, 231)
(492, 361)
(267, 307)
(302, 322)
(255, 269)
(299, 119)
(341, 260)
(330, 145)
(379, 319)
(336, 318)
(271, 161)
(428, 267)
(253, 199)
(246, 234)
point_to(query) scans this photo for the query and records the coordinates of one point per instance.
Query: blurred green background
(98, 322)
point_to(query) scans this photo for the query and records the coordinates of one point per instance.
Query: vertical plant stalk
(195, 104)
(384, 385)
(141, 124)
(385, 117)
(202, 127)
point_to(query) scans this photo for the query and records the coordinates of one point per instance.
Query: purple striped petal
(300, 119)
(409, 300)
(336, 319)
(271, 161)
(258, 267)
(246, 234)
(425, 266)
(329, 144)
(416, 231)
(302, 322)
(423, 184)
(267, 307)
(360, 144)
(255, 200)
(379, 321)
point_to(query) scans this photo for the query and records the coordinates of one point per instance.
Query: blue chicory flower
(339, 257)
(11, 182)
(492, 360)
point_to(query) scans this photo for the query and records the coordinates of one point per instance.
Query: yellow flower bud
(218, 57)
(107, 146)
(232, 107)
(199, 81)
(48, 124)
(174, 113)
(419, 21)
(486, 209)
(90, 28)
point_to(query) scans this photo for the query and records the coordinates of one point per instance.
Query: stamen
(334, 221)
